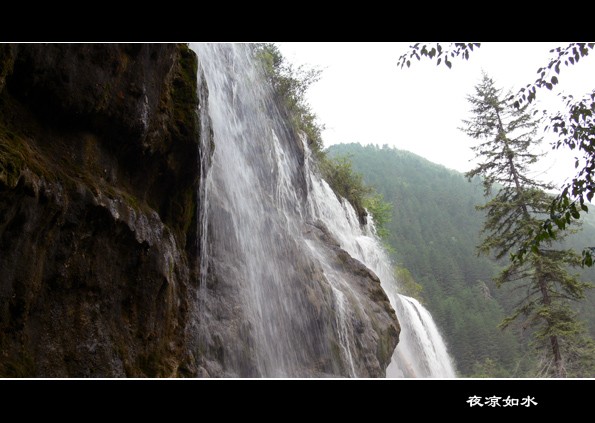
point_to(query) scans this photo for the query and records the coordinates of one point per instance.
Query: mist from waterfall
(256, 196)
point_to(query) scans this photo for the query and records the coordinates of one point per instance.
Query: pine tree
(542, 281)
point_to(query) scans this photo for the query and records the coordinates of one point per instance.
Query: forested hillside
(434, 232)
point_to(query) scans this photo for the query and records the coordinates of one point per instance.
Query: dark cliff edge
(99, 174)
(98, 181)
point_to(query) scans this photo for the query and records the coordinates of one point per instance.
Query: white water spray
(258, 196)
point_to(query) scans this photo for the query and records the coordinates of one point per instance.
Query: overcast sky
(364, 97)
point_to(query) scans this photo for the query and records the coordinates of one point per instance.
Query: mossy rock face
(138, 102)
(99, 166)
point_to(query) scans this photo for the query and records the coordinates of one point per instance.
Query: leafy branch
(457, 49)
(576, 130)
(570, 54)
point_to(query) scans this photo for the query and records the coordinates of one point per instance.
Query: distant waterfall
(421, 351)
(257, 195)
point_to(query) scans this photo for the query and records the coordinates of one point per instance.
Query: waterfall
(258, 197)
(421, 351)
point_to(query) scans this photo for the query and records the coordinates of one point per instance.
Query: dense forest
(433, 236)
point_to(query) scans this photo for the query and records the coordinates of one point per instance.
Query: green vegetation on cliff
(290, 85)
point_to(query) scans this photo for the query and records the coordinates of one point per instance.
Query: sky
(363, 96)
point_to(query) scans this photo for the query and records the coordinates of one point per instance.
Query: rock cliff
(98, 174)
(99, 260)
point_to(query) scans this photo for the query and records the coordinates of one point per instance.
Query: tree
(507, 135)
(575, 127)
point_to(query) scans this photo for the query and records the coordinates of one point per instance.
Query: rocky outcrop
(369, 316)
(98, 181)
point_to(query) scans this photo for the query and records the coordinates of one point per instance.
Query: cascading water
(259, 199)
(421, 351)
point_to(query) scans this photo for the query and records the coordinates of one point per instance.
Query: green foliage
(338, 171)
(569, 54)
(380, 211)
(580, 356)
(488, 369)
(576, 130)
(578, 352)
(408, 286)
(290, 85)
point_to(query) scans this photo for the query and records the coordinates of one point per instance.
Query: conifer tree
(507, 137)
